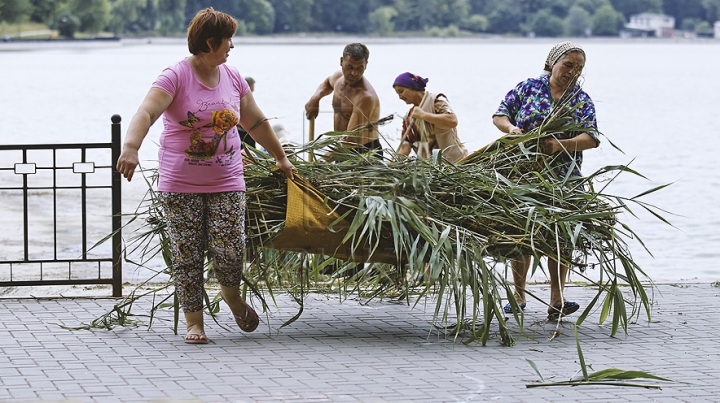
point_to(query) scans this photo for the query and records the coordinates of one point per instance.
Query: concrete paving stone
(127, 393)
(96, 390)
(378, 336)
(51, 396)
(671, 399)
(40, 384)
(22, 393)
(13, 381)
(152, 394)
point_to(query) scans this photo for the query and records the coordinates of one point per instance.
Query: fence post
(116, 209)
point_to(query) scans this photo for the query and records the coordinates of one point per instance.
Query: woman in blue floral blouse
(523, 109)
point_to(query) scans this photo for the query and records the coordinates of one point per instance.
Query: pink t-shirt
(200, 146)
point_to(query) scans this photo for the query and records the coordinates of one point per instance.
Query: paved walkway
(352, 352)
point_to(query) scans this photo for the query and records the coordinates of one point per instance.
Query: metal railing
(59, 192)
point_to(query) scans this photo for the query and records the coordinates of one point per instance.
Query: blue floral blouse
(531, 101)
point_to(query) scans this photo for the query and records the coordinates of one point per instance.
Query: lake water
(656, 100)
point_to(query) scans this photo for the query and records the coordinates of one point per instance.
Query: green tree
(476, 23)
(557, 8)
(93, 15)
(192, 7)
(348, 16)
(591, 5)
(630, 7)
(688, 24)
(544, 23)
(292, 15)
(125, 14)
(484, 7)
(506, 17)
(149, 16)
(415, 15)
(329, 15)
(684, 9)
(381, 20)
(578, 21)
(15, 10)
(66, 24)
(450, 12)
(44, 11)
(607, 22)
(232, 7)
(171, 16)
(702, 26)
(259, 15)
(712, 10)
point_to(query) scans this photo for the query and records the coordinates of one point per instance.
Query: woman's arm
(257, 125)
(581, 142)
(503, 123)
(441, 120)
(155, 103)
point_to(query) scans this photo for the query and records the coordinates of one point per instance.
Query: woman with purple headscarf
(524, 108)
(430, 124)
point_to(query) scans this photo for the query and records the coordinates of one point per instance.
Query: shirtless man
(354, 100)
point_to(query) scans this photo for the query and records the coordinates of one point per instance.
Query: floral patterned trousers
(204, 222)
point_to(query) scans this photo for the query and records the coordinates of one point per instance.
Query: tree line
(550, 18)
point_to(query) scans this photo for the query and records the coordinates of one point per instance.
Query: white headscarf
(558, 51)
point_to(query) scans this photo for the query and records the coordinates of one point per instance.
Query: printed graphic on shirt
(205, 147)
(191, 118)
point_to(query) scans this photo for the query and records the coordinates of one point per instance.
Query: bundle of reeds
(450, 224)
(450, 227)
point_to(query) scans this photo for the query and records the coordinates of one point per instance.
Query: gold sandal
(249, 322)
(196, 338)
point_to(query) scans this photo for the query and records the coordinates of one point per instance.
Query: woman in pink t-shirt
(201, 183)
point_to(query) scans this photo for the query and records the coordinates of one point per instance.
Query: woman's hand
(552, 146)
(127, 162)
(286, 168)
(417, 113)
(514, 130)
(581, 142)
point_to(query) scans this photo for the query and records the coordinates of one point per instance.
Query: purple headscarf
(409, 80)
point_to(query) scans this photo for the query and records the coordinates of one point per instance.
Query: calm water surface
(656, 100)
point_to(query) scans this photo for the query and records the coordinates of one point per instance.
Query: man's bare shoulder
(366, 91)
(335, 78)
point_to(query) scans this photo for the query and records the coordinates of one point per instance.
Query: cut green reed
(454, 228)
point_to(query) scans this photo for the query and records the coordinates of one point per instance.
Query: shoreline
(320, 39)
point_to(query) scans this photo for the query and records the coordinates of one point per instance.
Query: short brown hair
(356, 51)
(212, 25)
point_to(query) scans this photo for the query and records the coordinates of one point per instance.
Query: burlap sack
(314, 224)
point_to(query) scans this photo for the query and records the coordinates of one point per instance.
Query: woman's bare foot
(245, 316)
(195, 328)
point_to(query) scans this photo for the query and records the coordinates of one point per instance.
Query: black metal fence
(58, 201)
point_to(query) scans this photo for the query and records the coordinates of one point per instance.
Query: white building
(717, 29)
(650, 24)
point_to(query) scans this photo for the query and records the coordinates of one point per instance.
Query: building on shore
(650, 24)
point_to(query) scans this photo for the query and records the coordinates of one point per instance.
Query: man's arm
(364, 112)
(312, 107)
